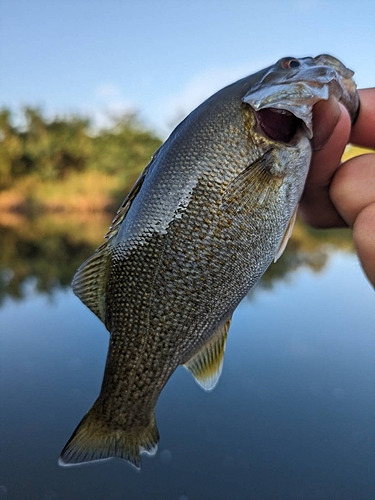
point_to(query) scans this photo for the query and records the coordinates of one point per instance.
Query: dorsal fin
(126, 204)
(287, 235)
(90, 281)
(207, 364)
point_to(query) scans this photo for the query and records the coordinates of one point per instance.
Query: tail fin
(94, 440)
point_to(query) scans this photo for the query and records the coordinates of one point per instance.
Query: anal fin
(207, 364)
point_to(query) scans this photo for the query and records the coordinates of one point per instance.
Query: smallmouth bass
(211, 211)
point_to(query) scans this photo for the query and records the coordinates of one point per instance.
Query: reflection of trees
(47, 250)
(309, 248)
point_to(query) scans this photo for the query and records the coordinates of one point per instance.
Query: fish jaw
(295, 85)
(349, 96)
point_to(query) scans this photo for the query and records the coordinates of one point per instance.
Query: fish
(211, 211)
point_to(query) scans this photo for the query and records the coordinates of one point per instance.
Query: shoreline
(88, 192)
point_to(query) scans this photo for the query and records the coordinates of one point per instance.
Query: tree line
(53, 148)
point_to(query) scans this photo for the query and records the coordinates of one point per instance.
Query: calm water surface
(292, 418)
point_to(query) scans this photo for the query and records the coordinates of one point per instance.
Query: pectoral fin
(207, 364)
(287, 235)
(255, 185)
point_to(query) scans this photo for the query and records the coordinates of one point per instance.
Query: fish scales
(211, 211)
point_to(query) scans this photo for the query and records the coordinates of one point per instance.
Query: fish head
(284, 96)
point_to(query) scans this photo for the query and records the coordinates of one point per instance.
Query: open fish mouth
(278, 124)
(284, 97)
(287, 106)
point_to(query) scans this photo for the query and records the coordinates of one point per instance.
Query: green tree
(124, 149)
(53, 148)
(10, 147)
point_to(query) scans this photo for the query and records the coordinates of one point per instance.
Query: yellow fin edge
(207, 364)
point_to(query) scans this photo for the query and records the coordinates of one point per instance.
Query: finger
(364, 240)
(363, 129)
(353, 187)
(353, 193)
(326, 115)
(316, 206)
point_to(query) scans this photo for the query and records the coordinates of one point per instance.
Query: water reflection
(44, 252)
(307, 248)
(291, 419)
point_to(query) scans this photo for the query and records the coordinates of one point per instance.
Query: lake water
(292, 418)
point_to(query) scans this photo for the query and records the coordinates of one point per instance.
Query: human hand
(339, 195)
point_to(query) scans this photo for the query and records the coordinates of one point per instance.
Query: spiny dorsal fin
(90, 281)
(287, 235)
(126, 204)
(207, 364)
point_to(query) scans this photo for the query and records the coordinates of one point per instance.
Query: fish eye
(290, 63)
(294, 63)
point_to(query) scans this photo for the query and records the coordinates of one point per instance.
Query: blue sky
(164, 57)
